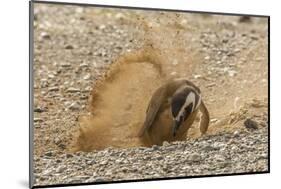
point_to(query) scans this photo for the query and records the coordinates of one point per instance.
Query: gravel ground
(75, 46)
(224, 153)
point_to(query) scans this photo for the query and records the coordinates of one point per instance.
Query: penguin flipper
(153, 108)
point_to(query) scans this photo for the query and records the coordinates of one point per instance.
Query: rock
(57, 141)
(74, 106)
(87, 77)
(69, 156)
(61, 169)
(213, 120)
(232, 73)
(72, 90)
(39, 109)
(195, 157)
(53, 89)
(211, 85)
(83, 65)
(51, 76)
(45, 35)
(207, 57)
(155, 147)
(166, 143)
(49, 154)
(197, 76)
(236, 134)
(245, 19)
(37, 119)
(173, 73)
(159, 158)
(66, 65)
(69, 47)
(250, 124)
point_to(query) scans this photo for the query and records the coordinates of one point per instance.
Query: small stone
(51, 76)
(83, 65)
(236, 134)
(207, 58)
(211, 85)
(69, 156)
(254, 37)
(52, 89)
(49, 154)
(101, 27)
(45, 35)
(250, 124)
(74, 106)
(245, 19)
(155, 147)
(263, 156)
(232, 73)
(173, 73)
(213, 120)
(87, 77)
(36, 119)
(61, 169)
(225, 40)
(69, 47)
(195, 157)
(57, 141)
(166, 143)
(39, 109)
(197, 76)
(87, 89)
(65, 65)
(72, 90)
(159, 158)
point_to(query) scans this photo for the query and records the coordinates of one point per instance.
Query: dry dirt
(75, 48)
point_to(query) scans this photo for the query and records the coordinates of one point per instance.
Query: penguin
(171, 112)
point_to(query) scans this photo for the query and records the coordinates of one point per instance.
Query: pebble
(45, 35)
(36, 119)
(72, 90)
(66, 65)
(232, 73)
(207, 57)
(69, 47)
(250, 124)
(236, 134)
(49, 154)
(197, 76)
(52, 89)
(74, 106)
(87, 77)
(195, 157)
(61, 169)
(39, 109)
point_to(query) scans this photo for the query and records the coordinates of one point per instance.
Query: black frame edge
(145, 8)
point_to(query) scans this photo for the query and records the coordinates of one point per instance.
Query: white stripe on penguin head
(189, 99)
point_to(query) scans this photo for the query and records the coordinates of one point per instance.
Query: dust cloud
(118, 102)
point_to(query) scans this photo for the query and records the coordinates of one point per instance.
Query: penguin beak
(175, 127)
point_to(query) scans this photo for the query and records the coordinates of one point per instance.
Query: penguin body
(171, 112)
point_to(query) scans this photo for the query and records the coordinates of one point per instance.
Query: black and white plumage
(172, 110)
(185, 101)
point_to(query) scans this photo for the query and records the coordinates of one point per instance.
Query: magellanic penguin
(171, 112)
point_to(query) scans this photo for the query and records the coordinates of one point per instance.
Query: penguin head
(184, 102)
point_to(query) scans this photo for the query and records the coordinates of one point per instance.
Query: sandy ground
(74, 48)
